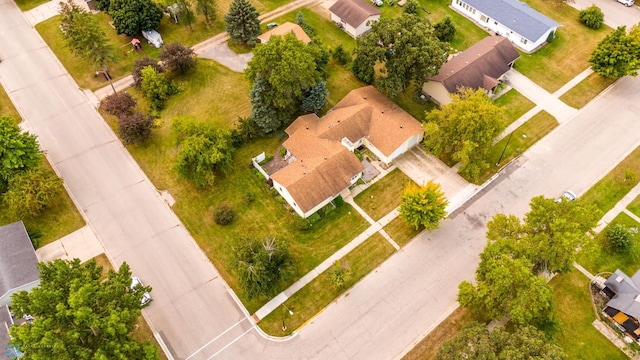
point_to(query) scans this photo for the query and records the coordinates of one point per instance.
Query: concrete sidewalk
(42, 12)
(82, 244)
(621, 206)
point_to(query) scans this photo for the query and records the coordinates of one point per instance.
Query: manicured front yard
(586, 90)
(518, 142)
(561, 60)
(578, 338)
(514, 104)
(467, 33)
(616, 184)
(320, 292)
(6, 106)
(384, 195)
(400, 232)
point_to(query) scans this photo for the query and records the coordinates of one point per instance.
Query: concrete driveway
(615, 14)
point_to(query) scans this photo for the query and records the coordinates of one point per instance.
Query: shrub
(302, 224)
(444, 30)
(592, 17)
(339, 273)
(31, 192)
(135, 127)
(156, 87)
(142, 63)
(339, 201)
(249, 196)
(411, 7)
(620, 237)
(261, 265)
(118, 104)
(224, 214)
(283, 151)
(341, 56)
(178, 58)
(34, 235)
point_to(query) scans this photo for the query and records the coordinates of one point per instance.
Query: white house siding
(355, 31)
(437, 92)
(6, 298)
(484, 20)
(285, 194)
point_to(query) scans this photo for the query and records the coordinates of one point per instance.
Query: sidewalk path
(82, 244)
(42, 12)
(621, 206)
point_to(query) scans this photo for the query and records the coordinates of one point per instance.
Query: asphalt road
(192, 304)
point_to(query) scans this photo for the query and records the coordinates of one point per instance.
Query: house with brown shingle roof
(320, 150)
(354, 16)
(283, 30)
(479, 67)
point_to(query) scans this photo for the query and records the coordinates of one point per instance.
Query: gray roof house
(479, 67)
(5, 323)
(515, 20)
(354, 16)
(623, 308)
(18, 262)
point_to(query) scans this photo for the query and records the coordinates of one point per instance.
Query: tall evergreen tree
(242, 22)
(84, 36)
(316, 98)
(186, 12)
(263, 114)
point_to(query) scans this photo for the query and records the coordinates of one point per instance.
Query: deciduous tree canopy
(618, 54)
(465, 129)
(400, 50)
(79, 316)
(132, 16)
(19, 150)
(423, 206)
(261, 264)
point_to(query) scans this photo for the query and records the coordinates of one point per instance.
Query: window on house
(523, 40)
(495, 23)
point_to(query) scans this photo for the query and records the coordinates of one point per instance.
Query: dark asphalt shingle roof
(627, 298)
(516, 15)
(18, 260)
(354, 12)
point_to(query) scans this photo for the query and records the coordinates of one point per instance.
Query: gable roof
(516, 15)
(323, 167)
(627, 297)
(18, 260)
(479, 66)
(284, 29)
(5, 323)
(354, 12)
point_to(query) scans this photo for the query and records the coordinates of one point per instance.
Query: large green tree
(423, 206)
(505, 286)
(549, 236)
(32, 191)
(132, 16)
(78, 315)
(156, 87)
(261, 264)
(475, 341)
(283, 72)
(242, 22)
(397, 51)
(18, 150)
(618, 54)
(84, 36)
(465, 130)
(177, 57)
(204, 150)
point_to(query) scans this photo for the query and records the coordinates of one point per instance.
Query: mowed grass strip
(25, 5)
(606, 193)
(521, 139)
(400, 232)
(514, 105)
(586, 90)
(6, 106)
(384, 195)
(321, 291)
(556, 63)
(634, 206)
(579, 339)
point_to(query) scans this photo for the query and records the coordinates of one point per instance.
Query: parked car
(153, 37)
(567, 196)
(626, 3)
(146, 297)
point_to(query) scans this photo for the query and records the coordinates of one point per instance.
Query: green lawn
(599, 257)
(384, 195)
(84, 73)
(400, 232)
(467, 33)
(514, 104)
(634, 207)
(616, 184)
(6, 106)
(578, 338)
(321, 291)
(558, 62)
(586, 90)
(25, 5)
(522, 138)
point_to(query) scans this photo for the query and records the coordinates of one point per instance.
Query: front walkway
(82, 244)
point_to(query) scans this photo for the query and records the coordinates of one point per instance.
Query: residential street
(193, 310)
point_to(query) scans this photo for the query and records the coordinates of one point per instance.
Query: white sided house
(515, 20)
(479, 67)
(354, 16)
(18, 262)
(320, 150)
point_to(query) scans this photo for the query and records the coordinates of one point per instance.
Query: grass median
(383, 196)
(322, 290)
(586, 90)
